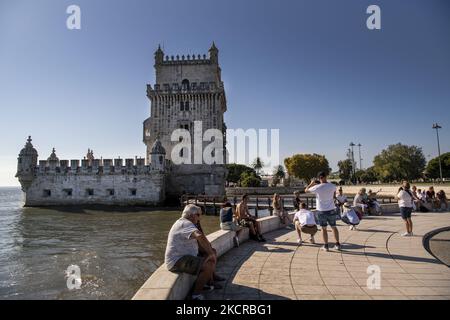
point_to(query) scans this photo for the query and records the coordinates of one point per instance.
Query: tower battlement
(96, 167)
(178, 88)
(194, 59)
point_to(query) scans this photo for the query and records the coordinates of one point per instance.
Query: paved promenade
(280, 269)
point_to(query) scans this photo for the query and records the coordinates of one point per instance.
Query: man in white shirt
(325, 195)
(341, 199)
(183, 248)
(305, 222)
(405, 202)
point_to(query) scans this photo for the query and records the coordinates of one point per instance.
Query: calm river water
(116, 250)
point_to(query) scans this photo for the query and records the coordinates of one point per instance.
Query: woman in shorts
(228, 223)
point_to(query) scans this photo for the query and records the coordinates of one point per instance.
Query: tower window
(186, 106)
(110, 192)
(47, 193)
(68, 192)
(89, 192)
(185, 84)
(133, 192)
(181, 106)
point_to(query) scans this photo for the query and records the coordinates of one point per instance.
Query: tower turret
(214, 54)
(53, 156)
(26, 164)
(159, 56)
(157, 155)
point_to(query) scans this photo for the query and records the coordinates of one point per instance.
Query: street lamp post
(352, 145)
(360, 159)
(437, 127)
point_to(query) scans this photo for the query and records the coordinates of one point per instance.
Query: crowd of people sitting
(189, 250)
(429, 200)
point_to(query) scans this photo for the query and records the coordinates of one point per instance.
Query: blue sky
(310, 68)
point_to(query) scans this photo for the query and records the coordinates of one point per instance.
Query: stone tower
(26, 165)
(187, 89)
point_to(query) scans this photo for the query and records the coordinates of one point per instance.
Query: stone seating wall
(166, 285)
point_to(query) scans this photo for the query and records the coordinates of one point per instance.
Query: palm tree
(257, 165)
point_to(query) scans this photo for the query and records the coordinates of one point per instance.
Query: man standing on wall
(325, 193)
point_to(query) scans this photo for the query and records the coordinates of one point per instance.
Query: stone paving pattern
(280, 269)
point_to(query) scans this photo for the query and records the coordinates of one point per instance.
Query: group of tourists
(429, 200)
(367, 201)
(189, 250)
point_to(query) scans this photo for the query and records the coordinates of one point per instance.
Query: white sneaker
(350, 228)
(337, 247)
(325, 248)
(299, 241)
(411, 234)
(406, 234)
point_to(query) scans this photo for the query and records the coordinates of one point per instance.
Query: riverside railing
(211, 204)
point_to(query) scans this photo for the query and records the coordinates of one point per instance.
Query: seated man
(297, 200)
(182, 250)
(373, 203)
(305, 222)
(361, 200)
(212, 283)
(245, 219)
(442, 198)
(340, 200)
(431, 199)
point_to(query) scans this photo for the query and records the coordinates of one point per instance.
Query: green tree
(278, 174)
(345, 169)
(432, 169)
(235, 171)
(249, 179)
(257, 165)
(306, 166)
(367, 176)
(400, 162)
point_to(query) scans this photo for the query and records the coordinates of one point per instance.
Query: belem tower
(187, 89)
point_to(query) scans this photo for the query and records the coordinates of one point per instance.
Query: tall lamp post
(352, 145)
(437, 127)
(360, 159)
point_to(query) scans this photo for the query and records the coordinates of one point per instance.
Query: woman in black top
(227, 221)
